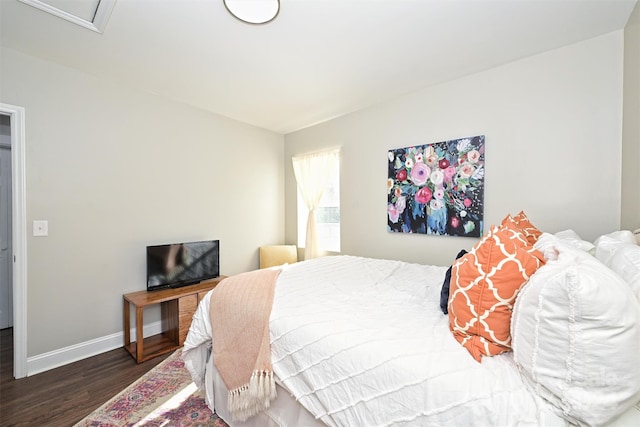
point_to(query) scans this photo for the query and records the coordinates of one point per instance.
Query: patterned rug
(164, 396)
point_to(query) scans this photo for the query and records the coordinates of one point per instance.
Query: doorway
(14, 118)
(6, 250)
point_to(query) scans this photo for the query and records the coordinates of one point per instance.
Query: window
(90, 14)
(322, 169)
(327, 217)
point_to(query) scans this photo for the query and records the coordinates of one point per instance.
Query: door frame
(19, 236)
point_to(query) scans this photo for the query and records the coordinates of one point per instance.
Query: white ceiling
(317, 60)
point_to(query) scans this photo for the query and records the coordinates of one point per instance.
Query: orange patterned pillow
(530, 230)
(484, 286)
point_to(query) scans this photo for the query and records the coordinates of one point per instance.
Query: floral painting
(437, 188)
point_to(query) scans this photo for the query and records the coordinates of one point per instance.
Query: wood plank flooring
(65, 395)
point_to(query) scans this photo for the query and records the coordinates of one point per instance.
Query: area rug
(164, 396)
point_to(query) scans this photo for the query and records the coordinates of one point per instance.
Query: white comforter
(362, 342)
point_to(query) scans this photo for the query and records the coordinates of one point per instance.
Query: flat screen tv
(181, 264)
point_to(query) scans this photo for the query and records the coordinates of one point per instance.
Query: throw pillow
(444, 293)
(530, 231)
(623, 258)
(576, 336)
(483, 288)
(574, 239)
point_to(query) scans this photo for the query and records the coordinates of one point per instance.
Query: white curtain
(312, 175)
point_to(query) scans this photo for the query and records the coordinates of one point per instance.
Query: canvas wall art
(437, 188)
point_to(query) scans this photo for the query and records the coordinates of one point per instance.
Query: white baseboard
(64, 356)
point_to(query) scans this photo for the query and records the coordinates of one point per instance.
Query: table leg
(127, 322)
(139, 335)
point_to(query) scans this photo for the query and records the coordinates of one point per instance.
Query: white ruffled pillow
(625, 236)
(623, 258)
(574, 239)
(576, 335)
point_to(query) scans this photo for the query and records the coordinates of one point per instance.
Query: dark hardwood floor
(65, 395)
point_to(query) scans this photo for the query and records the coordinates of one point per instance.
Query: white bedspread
(362, 342)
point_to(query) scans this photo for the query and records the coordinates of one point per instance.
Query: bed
(362, 341)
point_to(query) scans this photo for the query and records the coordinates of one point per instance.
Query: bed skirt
(284, 410)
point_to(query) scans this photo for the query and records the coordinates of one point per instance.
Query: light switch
(40, 228)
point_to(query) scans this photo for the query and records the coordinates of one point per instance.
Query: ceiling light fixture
(253, 11)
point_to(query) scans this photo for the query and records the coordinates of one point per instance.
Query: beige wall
(113, 169)
(630, 218)
(553, 144)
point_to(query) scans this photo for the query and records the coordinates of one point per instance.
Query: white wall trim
(63, 356)
(19, 236)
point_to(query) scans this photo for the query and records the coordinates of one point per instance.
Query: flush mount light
(253, 11)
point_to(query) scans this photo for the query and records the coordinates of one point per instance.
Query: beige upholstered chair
(273, 255)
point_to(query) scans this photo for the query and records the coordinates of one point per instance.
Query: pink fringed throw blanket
(239, 312)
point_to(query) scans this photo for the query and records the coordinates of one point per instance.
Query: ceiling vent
(91, 14)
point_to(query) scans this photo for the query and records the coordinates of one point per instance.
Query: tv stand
(177, 306)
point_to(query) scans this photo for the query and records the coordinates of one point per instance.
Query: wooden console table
(177, 307)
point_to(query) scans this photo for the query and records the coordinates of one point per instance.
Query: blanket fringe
(254, 397)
